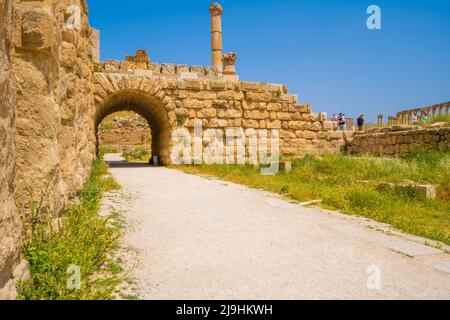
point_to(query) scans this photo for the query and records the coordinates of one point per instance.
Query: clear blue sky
(321, 48)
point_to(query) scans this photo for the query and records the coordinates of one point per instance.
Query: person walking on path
(360, 122)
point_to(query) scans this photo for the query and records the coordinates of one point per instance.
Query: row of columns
(433, 111)
(405, 117)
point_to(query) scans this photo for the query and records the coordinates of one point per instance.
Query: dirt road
(198, 238)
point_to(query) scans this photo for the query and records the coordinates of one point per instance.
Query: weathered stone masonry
(53, 81)
(398, 140)
(9, 218)
(46, 93)
(168, 101)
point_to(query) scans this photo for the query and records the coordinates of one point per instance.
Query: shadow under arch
(147, 106)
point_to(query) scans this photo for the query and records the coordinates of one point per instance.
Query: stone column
(216, 35)
(380, 120)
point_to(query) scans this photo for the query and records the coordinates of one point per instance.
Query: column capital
(229, 62)
(230, 58)
(215, 9)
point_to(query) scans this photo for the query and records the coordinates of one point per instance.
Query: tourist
(360, 122)
(415, 119)
(342, 122)
(424, 118)
(334, 118)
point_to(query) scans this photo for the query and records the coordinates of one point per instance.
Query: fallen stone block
(423, 191)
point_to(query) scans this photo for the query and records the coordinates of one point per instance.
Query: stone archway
(147, 106)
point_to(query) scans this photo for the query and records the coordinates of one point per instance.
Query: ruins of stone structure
(47, 96)
(9, 219)
(55, 92)
(399, 139)
(405, 117)
(171, 96)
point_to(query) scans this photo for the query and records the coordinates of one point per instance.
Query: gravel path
(198, 238)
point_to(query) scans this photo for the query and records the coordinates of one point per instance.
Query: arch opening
(125, 133)
(149, 108)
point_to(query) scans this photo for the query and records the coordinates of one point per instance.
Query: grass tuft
(82, 238)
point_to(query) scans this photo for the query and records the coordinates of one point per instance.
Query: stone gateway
(55, 92)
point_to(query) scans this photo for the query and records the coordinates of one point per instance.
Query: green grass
(347, 184)
(83, 239)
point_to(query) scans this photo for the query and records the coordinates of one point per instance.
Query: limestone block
(328, 125)
(250, 124)
(275, 88)
(168, 68)
(217, 85)
(211, 72)
(112, 65)
(37, 29)
(193, 84)
(316, 126)
(303, 108)
(287, 134)
(273, 106)
(251, 86)
(230, 95)
(235, 122)
(299, 125)
(309, 135)
(323, 116)
(283, 116)
(335, 135)
(276, 124)
(289, 151)
(258, 96)
(68, 54)
(182, 68)
(154, 67)
(198, 69)
(188, 75)
(230, 113)
(218, 123)
(207, 113)
(182, 112)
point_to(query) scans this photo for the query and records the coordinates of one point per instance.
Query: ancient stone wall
(399, 139)
(52, 69)
(141, 62)
(171, 102)
(9, 217)
(46, 117)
